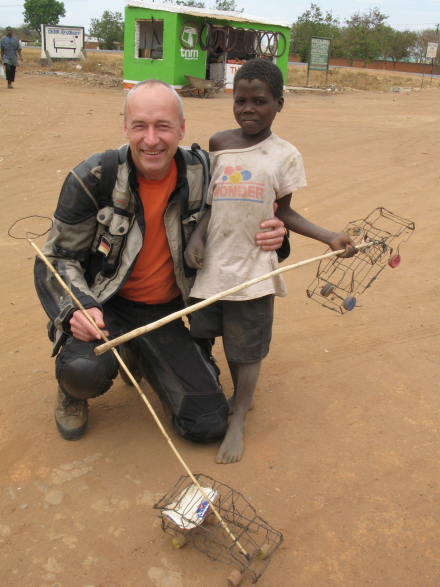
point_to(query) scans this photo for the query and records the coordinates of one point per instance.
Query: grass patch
(358, 79)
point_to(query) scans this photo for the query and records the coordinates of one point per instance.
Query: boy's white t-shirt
(245, 183)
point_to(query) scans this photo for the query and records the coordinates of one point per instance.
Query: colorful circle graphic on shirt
(235, 178)
(236, 175)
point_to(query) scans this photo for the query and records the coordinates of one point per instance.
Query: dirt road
(342, 449)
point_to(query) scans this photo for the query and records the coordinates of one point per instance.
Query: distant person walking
(10, 50)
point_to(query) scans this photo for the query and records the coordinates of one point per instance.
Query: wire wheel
(281, 45)
(213, 41)
(273, 45)
(204, 43)
(227, 38)
(241, 38)
(250, 42)
(264, 41)
(189, 35)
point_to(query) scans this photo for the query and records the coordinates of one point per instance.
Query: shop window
(149, 39)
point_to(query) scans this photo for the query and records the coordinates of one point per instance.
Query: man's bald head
(149, 84)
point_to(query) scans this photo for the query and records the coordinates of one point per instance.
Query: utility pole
(437, 25)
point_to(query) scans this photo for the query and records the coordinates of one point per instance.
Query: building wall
(177, 61)
(194, 65)
(138, 69)
(401, 66)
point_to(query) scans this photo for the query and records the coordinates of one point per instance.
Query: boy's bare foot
(231, 449)
(231, 404)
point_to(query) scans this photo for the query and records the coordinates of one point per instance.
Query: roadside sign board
(319, 58)
(62, 42)
(431, 52)
(319, 54)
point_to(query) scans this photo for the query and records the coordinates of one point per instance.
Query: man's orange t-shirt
(152, 280)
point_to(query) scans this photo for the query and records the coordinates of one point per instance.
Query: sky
(415, 15)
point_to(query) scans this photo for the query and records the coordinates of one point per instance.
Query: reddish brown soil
(342, 449)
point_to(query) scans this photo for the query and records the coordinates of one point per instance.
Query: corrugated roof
(208, 13)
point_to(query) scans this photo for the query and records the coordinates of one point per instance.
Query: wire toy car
(187, 517)
(338, 281)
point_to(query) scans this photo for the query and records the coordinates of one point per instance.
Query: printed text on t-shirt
(236, 185)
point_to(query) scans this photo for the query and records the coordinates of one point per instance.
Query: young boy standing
(251, 169)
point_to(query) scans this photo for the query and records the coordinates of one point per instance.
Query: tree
(385, 39)
(108, 30)
(22, 32)
(312, 23)
(38, 12)
(363, 36)
(229, 5)
(400, 45)
(192, 3)
(418, 51)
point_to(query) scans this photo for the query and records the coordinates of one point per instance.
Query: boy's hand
(342, 241)
(194, 253)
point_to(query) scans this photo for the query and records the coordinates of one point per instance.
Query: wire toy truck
(188, 518)
(338, 281)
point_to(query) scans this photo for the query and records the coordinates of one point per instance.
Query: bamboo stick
(190, 309)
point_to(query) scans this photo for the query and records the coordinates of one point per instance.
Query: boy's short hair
(264, 70)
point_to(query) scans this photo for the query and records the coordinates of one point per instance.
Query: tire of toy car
(264, 551)
(349, 303)
(235, 578)
(327, 289)
(394, 261)
(179, 540)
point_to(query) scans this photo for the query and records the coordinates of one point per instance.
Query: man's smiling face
(153, 128)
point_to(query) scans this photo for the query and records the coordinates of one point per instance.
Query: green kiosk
(195, 50)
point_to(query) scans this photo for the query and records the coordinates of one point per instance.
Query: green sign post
(319, 56)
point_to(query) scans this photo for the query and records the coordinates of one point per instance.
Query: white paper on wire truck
(183, 512)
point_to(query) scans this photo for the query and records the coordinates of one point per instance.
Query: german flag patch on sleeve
(105, 247)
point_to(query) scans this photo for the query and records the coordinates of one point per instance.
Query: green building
(167, 42)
